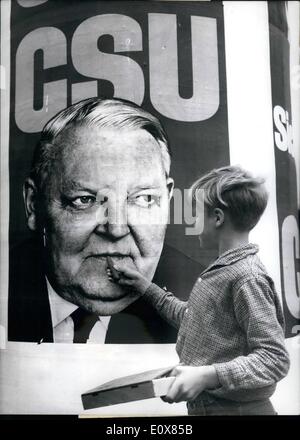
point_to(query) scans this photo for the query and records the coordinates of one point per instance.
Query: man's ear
(170, 186)
(30, 202)
(219, 217)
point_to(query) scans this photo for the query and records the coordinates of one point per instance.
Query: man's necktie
(83, 324)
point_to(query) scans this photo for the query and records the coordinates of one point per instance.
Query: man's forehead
(109, 151)
(143, 183)
(89, 136)
(94, 170)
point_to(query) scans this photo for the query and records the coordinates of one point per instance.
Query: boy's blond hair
(236, 191)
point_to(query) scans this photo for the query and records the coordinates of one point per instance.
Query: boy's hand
(128, 277)
(190, 382)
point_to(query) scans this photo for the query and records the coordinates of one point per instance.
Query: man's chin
(101, 298)
(106, 308)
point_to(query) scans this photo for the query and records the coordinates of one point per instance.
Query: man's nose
(117, 230)
(115, 222)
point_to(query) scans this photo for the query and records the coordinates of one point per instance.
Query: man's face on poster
(107, 195)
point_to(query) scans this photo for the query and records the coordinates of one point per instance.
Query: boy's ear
(170, 186)
(219, 217)
(30, 202)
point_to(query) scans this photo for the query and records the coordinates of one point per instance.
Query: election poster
(110, 111)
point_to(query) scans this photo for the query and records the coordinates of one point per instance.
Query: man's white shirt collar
(62, 323)
(60, 308)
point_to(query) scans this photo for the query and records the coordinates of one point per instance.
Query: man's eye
(83, 202)
(146, 200)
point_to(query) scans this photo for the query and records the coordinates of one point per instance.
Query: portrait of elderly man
(98, 192)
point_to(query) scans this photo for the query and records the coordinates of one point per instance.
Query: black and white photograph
(150, 201)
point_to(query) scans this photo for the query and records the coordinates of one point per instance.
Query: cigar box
(144, 385)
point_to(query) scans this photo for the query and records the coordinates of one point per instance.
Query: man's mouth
(114, 257)
(97, 264)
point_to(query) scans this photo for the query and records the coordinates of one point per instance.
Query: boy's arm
(259, 314)
(167, 305)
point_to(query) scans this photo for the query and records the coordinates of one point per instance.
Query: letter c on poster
(290, 252)
(52, 42)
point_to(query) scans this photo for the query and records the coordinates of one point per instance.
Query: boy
(231, 340)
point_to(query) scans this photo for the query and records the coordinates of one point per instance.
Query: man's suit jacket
(29, 317)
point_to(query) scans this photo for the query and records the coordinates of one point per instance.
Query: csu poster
(184, 63)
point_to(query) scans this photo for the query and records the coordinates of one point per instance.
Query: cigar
(114, 272)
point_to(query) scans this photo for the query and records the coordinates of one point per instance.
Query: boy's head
(233, 200)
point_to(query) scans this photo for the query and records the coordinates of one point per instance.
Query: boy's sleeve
(167, 305)
(259, 314)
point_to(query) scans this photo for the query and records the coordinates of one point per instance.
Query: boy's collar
(233, 255)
